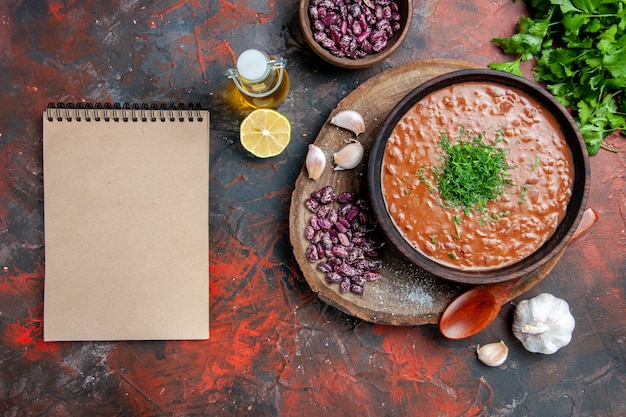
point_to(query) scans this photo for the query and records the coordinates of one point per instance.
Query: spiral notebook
(126, 213)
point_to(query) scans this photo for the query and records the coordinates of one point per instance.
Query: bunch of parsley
(579, 47)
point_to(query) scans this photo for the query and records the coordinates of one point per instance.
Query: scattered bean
(335, 262)
(325, 223)
(333, 277)
(312, 204)
(324, 267)
(327, 195)
(309, 232)
(324, 211)
(340, 239)
(314, 222)
(327, 242)
(342, 236)
(371, 275)
(345, 197)
(341, 228)
(357, 289)
(340, 252)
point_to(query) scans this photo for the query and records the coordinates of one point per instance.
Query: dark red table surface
(275, 348)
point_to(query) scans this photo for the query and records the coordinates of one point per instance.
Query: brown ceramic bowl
(551, 248)
(405, 9)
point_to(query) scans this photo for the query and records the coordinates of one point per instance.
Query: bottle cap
(252, 65)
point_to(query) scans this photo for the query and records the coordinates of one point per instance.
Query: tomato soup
(510, 226)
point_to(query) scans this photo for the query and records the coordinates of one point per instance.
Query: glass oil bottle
(261, 79)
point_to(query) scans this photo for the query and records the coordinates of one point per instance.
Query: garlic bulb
(543, 324)
(349, 156)
(315, 162)
(493, 354)
(349, 119)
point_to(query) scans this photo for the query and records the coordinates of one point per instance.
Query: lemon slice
(265, 133)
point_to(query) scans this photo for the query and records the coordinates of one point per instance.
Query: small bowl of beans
(355, 34)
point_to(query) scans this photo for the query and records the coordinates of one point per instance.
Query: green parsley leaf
(512, 66)
(579, 49)
(565, 5)
(473, 173)
(615, 61)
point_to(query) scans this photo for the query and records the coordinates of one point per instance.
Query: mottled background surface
(275, 349)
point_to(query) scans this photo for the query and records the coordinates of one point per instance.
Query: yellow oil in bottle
(260, 80)
(272, 100)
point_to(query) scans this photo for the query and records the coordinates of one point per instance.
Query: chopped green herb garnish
(494, 217)
(457, 221)
(522, 197)
(500, 136)
(535, 164)
(430, 185)
(473, 173)
(421, 174)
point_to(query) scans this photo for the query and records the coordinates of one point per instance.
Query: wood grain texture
(406, 294)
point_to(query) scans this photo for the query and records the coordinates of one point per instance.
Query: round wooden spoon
(476, 308)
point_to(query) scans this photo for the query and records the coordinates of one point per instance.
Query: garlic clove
(349, 119)
(315, 162)
(493, 354)
(349, 156)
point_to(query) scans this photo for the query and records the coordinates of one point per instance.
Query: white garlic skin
(315, 162)
(543, 324)
(349, 156)
(493, 354)
(350, 120)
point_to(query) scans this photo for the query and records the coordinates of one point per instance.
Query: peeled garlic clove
(349, 156)
(349, 119)
(315, 162)
(493, 354)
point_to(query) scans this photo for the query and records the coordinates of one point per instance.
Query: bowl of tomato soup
(478, 176)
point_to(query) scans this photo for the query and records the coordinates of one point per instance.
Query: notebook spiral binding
(124, 112)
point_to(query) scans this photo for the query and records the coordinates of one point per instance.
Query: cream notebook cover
(126, 209)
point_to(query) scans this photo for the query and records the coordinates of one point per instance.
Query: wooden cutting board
(406, 294)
